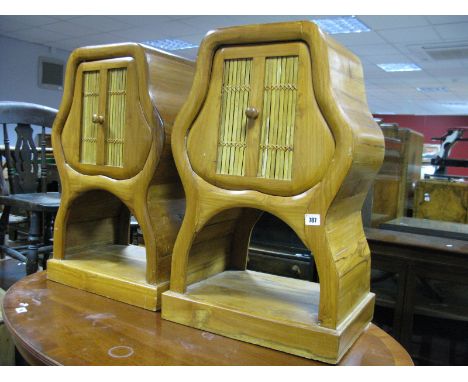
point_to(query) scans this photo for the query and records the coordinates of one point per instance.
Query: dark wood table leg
(4, 227)
(34, 238)
(400, 302)
(406, 330)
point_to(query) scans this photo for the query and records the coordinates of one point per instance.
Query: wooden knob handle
(98, 119)
(251, 112)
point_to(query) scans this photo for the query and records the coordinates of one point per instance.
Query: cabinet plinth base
(267, 310)
(114, 271)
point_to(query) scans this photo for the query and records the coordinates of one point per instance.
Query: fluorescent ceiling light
(170, 44)
(432, 90)
(346, 24)
(399, 67)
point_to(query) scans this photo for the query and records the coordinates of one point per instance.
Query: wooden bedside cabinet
(111, 139)
(277, 121)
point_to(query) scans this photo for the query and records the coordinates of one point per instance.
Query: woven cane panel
(278, 121)
(90, 106)
(116, 106)
(233, 121)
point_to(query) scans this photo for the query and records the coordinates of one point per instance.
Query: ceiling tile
(409, 35)
(453, 31)
(389, 59)
(140, 34)
(100, 23)
(64, 17)
(207, 23)
(10, 24)
(68, 29)
(143, 20)
(67, 44)
(35, 21)
(168, 29)
(103, 38)
(356, 39)
(384, 22)
(35, 35)
(441, 64)
(95, 39)
(192, 38)
(444, 97)
(447, 19)
(374, 49)
(443, 72)
(175, 28)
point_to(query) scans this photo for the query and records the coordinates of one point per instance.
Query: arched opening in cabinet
(219, 272)
(275, 248)
(98, 237)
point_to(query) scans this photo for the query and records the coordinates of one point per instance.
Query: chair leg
(34, 238)
(3, 228)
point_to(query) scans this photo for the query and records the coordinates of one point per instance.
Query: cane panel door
(106, 132)
(260, 127)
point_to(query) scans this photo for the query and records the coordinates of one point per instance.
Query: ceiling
(392, 39)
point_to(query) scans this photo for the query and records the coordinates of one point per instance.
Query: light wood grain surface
(81, 328)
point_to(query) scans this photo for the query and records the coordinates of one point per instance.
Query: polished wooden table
(53, 324)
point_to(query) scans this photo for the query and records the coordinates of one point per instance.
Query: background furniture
(272, 124)
(111, 141)
(427, 227)
(28, 181)
(107, 332)
(393, 187)
(275, 248)
(420, 264)
(441, 200)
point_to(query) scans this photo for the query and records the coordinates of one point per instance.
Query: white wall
(19, 72)
(19, 62)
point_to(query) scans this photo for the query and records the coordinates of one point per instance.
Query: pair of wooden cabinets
(276, 120)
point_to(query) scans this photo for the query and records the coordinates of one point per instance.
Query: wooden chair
(28, 182)
(276, 121)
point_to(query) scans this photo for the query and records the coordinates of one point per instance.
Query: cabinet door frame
(133, 160)
(203, 150)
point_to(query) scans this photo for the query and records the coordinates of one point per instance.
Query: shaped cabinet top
(119, 101)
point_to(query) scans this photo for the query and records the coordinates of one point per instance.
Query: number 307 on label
(312, 219)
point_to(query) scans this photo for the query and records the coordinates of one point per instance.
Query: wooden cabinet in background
(401, 169)
(441, 200)
(276, 121)
(111, 140)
